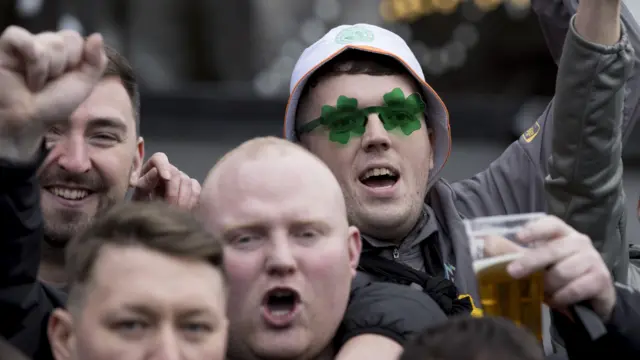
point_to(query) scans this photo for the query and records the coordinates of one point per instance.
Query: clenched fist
(43, 79)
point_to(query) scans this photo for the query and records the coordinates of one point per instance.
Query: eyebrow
(146, 311)
(107, 122)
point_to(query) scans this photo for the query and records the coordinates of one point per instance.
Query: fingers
(587, 286)
(551, 253)
(17, 41)
(94, 56)
(195, 193)
(565, 271)
(182, 191)
(49, 55)
(545, 229)
(495, 245)
(148, 181)
(161, 162)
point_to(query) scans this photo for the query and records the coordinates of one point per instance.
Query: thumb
(94, 57)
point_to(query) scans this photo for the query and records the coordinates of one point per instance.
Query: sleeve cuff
(574, 36)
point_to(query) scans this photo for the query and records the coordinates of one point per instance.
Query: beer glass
(493, 246)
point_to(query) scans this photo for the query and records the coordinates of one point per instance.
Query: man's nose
(74, 155)
(375, 137)
(167, 346)
(281, 260)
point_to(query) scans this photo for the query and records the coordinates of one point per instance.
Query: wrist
(20, 144)
(598, 21)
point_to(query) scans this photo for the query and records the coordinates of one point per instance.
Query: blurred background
(216, 72)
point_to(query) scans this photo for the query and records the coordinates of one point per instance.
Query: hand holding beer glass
(494, 244)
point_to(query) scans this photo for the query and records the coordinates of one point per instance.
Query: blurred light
(292, 48)
(69, 22)
(312, 30)
(437, 64)
(284, 64)
(518, 9)
(266, 84)
(456, 54)
(487, 5)
(29, 8)
(471, 12)
(419, 49)
(404, 31)
(446, 6)
(327, 10)
(410, 10)
(467, 34)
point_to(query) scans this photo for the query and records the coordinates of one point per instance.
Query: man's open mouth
(279, 306)
(379, 177)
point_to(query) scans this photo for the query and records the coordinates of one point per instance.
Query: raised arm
(587, 110)
(43, 79)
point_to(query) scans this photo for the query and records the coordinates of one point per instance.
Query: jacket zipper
(396, 253)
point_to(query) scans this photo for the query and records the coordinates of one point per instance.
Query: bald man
(290, 256)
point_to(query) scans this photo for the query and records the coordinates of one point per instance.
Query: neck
(52, 265)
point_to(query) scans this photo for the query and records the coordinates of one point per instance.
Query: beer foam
(495, 261)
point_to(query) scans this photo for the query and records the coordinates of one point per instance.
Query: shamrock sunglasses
(346, 119)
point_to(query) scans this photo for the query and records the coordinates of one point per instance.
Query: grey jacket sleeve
(554, 16)
(589, 84)
(584, 184)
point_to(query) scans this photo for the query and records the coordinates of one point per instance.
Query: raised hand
(573, 269)
(160, 180)
(43, 78)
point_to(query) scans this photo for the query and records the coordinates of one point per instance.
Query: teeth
(280, 312)
(70, 194)
(377, 172)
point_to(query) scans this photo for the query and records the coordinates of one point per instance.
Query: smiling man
(69, 150)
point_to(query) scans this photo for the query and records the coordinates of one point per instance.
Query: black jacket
(25, 303)
(622, 340)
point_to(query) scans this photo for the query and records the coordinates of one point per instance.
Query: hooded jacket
(568, 162)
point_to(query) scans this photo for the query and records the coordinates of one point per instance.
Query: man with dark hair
(68, 146)
(95, 157)
(464, 338)
(359, 101)
(145, 280)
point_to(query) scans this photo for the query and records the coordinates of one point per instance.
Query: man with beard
(95, 157)
(68, 107)
(360, 102)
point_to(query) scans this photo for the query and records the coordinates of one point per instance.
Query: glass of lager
(493, 246)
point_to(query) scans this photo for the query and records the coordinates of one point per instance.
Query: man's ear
(61, 334)
(138, 158)
(355, 247)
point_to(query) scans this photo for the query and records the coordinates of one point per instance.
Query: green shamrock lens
(346, 119)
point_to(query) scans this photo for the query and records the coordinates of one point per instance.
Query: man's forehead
(110, 100)
(129, 272)
(368, 89)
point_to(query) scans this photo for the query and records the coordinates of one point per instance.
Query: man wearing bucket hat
(360, 102)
